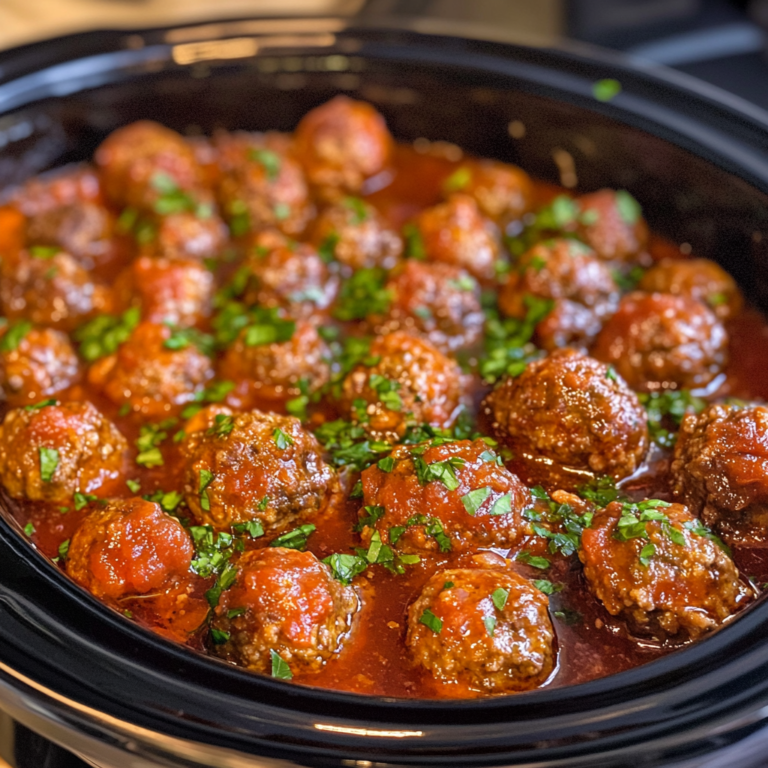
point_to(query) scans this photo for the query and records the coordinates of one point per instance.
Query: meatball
(438, 302)
(612, 225)
(340, 144)
(567, 415)
(699, 279)
(293, 608)
(128, 547)
(569, 274)
(49, 453)
(486, 629)
(353, 233)
(720, 469)
(149, 374)
(39, 364)
(455, 496)
(254, 466)
(654, 565)
(660, 341)
(412, 383)
(185, 235)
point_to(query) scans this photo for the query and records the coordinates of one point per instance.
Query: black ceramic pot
(696, 159)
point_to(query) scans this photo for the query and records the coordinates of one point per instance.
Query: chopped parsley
(387, 464)
(499, 598)
(432, 527)
(14, 335)
(414, 243)
(223, 424)
(213, 393)
(172, 199)
(42, 404)
(697, 527)
(357, 208)
(442, 471)
(629, 209)
(490, 624)
(148, 442)
(44, 251)
(280, 668)
(218, 636)
(363, 294)
(546, 586)
(327, 248)
(181, 338)
(49, 461)
(666, 411)
(168, 501)
(502, 505)
(134, 486)
(458, 180)
(270, 161)
(345, 567)
(105, 333)
(282, 439)
(29, 529)
(349, 444)
(295, 539)
(429, 620)
(64, 549)
(473, 500)
(206, 478)
(528, 559)
(568, 617)
(82, 500)
(601, 491)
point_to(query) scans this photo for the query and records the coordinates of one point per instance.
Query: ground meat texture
(477, 504)
(151, 378)
(277, 370)
(568, 274)
(40, 365)
(455, 232)
(438, 302)
(49, 453)
(660, 341)
(699, 279)
(720, 469)
(568, 415)
(610, 222)
(412, 383)
(293, 607)
(50, 289)
(260, 466)
(342, 143)
(186, 235)
(353, 233)
(485, 647)
(128, 547)
(670, 588)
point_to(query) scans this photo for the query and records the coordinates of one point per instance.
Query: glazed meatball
(660, 341)
(456, 233)
(49, 453)
(39, 364)
(186, 235)
(293, 608)
(670, 579)
(340, 144)
(720, 469)
(699, 279)
(276, 370)
(438, 302)
(611, 223)
(128, 547)
(567, 415)
(486, 629)
(148, 375)
(353, 233)
(412, 383)
(569, 274)
(254, 466)
(476, 503)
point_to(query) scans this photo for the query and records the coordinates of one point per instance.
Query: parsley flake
(295, 539)
(429, 620)
(49, 461)
(280, 668)
(473, 500)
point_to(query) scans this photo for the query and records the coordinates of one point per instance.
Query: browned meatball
(254, 466)
(439, 302)
(455, 496)
(720, 469)
(49, 453)
(40, 363)
(484, 629)
(661, 341)
(341, 143)
(456, 233)
(662, 575)
(186, 235)
(353, 233)
(611, 223)
(569, 274)
(128, 547)
(293, 608)
(568, 415)
(412, 383)
(699, 279)
(148, 375)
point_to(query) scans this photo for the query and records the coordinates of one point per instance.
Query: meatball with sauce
(185, 235)
(655, 565)
(288, 605)
(128, 547)
(660, 341)
(412, 382)
(485, 629)
(449, 497)
(568, 416)
(51, 452)
(253, 466)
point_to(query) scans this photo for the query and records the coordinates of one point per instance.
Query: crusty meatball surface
(669, 579)
(660, 341)
(293, 608)
(455, 496)
(567, 415)
(128, 547)
(185, 235)
(253, 466)
(486, 629)
(49, 453)
(612, 225)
